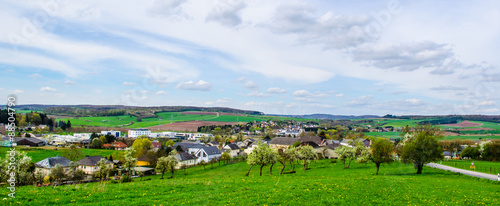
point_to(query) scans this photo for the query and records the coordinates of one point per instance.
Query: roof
(314, 139)
(284, 141)
(183, 156)
(51, 162)
(92, 160)
(30, 139)
(333, 146)
(186, 146)
(233, 146)
(119, 144)
(156, 144)
(85, 141)
(213, 150)
(143, 158)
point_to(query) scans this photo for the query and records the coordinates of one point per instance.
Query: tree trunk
(282, 169)
(162, 173)
(349, 165)
(419, 168)
(378, 166)
(343, 162)
(305, 165)
(271, 169)
(172, 174)
(249, 171)
(261, 169)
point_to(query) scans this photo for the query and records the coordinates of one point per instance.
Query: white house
(134, 133)
(185, 159)
(205, 153)
(114, 133)
(232, 149)
(198, 136)
(89, 164)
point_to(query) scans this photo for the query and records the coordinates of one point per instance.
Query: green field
(491, 125)
(228, 118)
(27, 111)
(481, 166)
(470, 137)
(38, 154)
(325, 183)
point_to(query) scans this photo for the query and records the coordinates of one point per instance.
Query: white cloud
(251, 85)
(223, 100)
(69, 82)
(35, 76)
(129, 83)
(209, 103)
(361, 101)
(317, 94)
(339, 95)
(47, 89)
(276, 90)
(487, 103)
(257, 94)
(241, 79)
(227, 12)
(168, 8)
(448, 88)
(161, 93)
(192, 85)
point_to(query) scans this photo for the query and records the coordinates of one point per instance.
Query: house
(282, 142)
(89, 164)
(350, 142)
(311, 140)
(185, 146)
(328, 151)
(185, 159)
(119, 145)
(155, 145)
(134, 133)
(47, 164)
(32, 142)
(232, 149)
(114, 133)
(142, 161)
(205, 153)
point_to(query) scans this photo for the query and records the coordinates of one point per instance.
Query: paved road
(465, 172)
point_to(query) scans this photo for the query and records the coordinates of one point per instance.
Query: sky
(400, 57)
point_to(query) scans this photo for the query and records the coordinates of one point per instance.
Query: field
(324, 184)
(465, 123)
(481, 166)
(191, 126)
(40, 153)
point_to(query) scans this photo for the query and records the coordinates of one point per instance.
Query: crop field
(230, 118)
(40, 153)
(325, 183)
(472, 137)
(475, 127)
(480, 166)
(395, 122)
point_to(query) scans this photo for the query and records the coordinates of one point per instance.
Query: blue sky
(280, 57)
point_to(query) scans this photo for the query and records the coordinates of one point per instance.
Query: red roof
(156, 144)
(119, 145)
(106, 145)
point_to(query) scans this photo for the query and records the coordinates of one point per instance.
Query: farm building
(47, 164)
(89, 164)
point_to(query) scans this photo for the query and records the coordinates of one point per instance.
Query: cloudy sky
(278, 57)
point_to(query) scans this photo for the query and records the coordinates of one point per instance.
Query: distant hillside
(327, 116)
(115, 110)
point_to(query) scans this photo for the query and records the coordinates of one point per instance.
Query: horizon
(283, 58)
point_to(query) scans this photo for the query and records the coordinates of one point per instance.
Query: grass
(39, 153)
(228, 118)
(481, 166)
(324, 184)
(384, 134)
(470, 137)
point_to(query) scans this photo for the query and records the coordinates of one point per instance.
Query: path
(465, 172)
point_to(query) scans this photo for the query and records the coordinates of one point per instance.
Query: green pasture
(325, 183)
(480, 166)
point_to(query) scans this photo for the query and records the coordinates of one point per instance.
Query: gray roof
(213, 150)
(284, 140)
(92, 160)
(185, 146)
(233, 146)
(315, 139)
(53, 161)
(183, 156)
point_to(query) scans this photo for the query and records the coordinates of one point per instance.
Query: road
(465, 172)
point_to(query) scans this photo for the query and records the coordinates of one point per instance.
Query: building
(232, 149)
(119, 145)
(205, 153)
(134, 133)
(89, 164)
(143, 161)
(186, 146)
(31, 142)
(282, 142)
(185, 159)
(47, 164)
(114, 133)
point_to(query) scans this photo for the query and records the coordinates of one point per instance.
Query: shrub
(126, 178)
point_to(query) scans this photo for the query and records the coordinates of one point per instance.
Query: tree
(58, 172)
(97, 143)
(203, 163)
(381, 152)
(306, 154)
(128, 160)
(68, 125)
(273, 157)
(162, 166)
(184, 167)
(346, 154)
(212, 161)
(471, 152)
(262, 155)
(141, 145)
(290, 155)
(491, 151)
(104, 170)
(423, 149)
(171, 163)
(169, 143)
(103, 139)
(22, 167)
(239, 137)
(73, 153)
(225, 157)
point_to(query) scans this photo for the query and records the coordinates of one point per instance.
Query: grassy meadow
(325, 183)
(480, 166)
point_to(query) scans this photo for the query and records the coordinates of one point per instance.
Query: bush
(48, 179)
(126, 178)
(333, 161)
(114, 181)
(471, 152)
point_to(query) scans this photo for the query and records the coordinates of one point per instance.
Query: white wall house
(198, 136)
(114, 133)
(134, 133)
(89, 164)
(205, 153)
